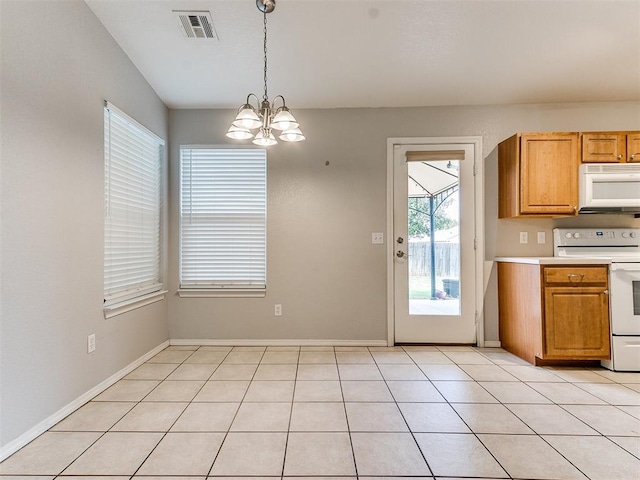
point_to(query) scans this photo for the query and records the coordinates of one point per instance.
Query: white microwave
(609, 188)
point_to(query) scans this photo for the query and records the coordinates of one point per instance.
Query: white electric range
(621, 246)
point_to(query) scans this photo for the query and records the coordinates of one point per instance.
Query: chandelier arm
(257, 99)
(284, 104)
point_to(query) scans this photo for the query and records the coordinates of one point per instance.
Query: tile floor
(431, 412)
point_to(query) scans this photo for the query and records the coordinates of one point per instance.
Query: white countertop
(556, 260)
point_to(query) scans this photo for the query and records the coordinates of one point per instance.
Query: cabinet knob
(632, 157)
(606, 292)
(619, 157)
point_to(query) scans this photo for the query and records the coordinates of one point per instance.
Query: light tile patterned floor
(430, 412)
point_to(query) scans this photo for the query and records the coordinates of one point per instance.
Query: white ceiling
(369, 53)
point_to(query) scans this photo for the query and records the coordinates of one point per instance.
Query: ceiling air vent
(196, 24)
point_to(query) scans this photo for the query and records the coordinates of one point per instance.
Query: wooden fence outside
(447, 257)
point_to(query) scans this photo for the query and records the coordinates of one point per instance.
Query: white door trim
(479, 226)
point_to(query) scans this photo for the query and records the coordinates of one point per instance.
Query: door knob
(401, 254)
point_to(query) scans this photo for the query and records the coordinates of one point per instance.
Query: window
(132, 162)
(223, 218)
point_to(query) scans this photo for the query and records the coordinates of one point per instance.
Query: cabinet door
(549, 174)
(633, 147)
(576, 323)
(603, 147)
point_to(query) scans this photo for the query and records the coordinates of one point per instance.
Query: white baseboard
(15, 445)
(281, 343)
(492, 343)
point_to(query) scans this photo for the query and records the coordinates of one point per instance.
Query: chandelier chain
(266, 97)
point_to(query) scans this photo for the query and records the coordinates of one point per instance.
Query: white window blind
(133, 158)
(223, 195)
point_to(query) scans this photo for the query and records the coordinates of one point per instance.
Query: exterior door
(434, 260)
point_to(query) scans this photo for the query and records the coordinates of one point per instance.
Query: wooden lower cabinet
(576, 323)
(554, 313)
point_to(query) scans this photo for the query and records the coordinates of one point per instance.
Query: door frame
(479, 226)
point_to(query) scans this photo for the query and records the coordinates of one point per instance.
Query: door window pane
(434, 237)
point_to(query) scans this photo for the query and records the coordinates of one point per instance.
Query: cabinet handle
(619, 157)
(571, 276)
(632, 157)
(606, 292)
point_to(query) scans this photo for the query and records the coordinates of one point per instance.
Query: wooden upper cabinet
(538, 175)
(603, 147)
(610, 147)
(633, 147)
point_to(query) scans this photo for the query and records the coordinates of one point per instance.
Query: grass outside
(419, 288)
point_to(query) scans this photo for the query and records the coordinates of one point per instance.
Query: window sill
(133, 304)
(222, 293)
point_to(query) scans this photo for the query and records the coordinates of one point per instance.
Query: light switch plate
(377, 238)
(542, 237)
(524, 237)
(91, 343)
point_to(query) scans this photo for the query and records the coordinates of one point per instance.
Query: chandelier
(265, 117)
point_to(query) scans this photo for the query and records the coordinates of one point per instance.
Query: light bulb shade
(265, 138)
(284, 120)
(292, 135)
(238, 133)
(247, 118)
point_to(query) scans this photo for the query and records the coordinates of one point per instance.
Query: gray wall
(58, 64)
(322, 267)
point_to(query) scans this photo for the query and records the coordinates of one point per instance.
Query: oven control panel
(596, 237)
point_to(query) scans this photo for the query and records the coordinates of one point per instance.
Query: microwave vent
(613, 168)
(196, 24)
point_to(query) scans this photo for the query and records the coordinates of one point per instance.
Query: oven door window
(635, 289)
(615, 190)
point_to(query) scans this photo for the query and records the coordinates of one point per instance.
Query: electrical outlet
(278, 310)
(524, 237)
(377, 238)
(542, 237)
(91, 343)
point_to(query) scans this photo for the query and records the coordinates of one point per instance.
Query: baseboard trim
(38, 429)
(281, 343)
(492, 344)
